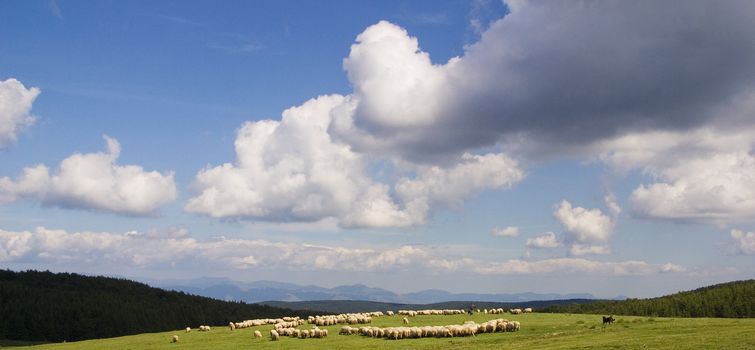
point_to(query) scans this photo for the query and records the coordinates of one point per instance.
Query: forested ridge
(46, 306)
(733, 299)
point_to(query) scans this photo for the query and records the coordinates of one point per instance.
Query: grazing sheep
(389, 313)
(406, 320)
(529, 309)
(231, 325)
(174, 339)
(469, 328)
(188, 329)
(274, 335)
(257, 335)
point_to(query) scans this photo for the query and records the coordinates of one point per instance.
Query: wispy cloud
(176, 246)
(431, 18)
(180, 20)
(52, 5)
(237, 48)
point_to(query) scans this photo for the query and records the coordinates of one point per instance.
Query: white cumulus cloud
(15, 109)
(704, 175)
(93, 181)
(586, 230)
(292, 170)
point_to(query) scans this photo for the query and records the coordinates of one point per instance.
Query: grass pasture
(539, 331)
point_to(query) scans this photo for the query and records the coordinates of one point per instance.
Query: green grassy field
(539, 331)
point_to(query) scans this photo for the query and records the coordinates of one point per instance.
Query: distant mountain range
(252, 292)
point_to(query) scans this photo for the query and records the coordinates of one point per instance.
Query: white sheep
(188, 329)
(174, 339)
(406, 320)
(529, 309)
(274, 335)
(257, 335)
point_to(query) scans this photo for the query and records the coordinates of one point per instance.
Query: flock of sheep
(413, 313)
(467, 329)
(502, 311)
(287, 326)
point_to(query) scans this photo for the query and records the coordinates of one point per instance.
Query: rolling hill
(731, 299)
(345, 306)
(45, 306)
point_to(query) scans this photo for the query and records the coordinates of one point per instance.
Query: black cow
(608, 320)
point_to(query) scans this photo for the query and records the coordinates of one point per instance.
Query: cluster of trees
(732, 299)
(45, 306)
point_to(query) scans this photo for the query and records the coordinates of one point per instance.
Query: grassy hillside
(539, 331)
(45, 306)
(732, 299)
(344, 306)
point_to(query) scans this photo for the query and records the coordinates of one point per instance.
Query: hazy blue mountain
(252, 292)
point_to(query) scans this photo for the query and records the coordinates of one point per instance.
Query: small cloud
(546, 240)
(669, 267)
(509, 231)
(577, 249)
(585, 230)
(744, 241)
(612, 204)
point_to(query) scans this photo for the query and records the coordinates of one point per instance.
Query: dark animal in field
(608, 320)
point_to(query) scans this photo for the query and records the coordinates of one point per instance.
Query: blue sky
(552, 147)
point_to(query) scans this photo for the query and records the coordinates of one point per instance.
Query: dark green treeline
(732, 299)
(45, 306)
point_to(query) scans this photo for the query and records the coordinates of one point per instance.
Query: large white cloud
(93, 181)
(292, 170)
(586, 230)
(15, 109)
(702, 175)
(596, 70)
(173, 247)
